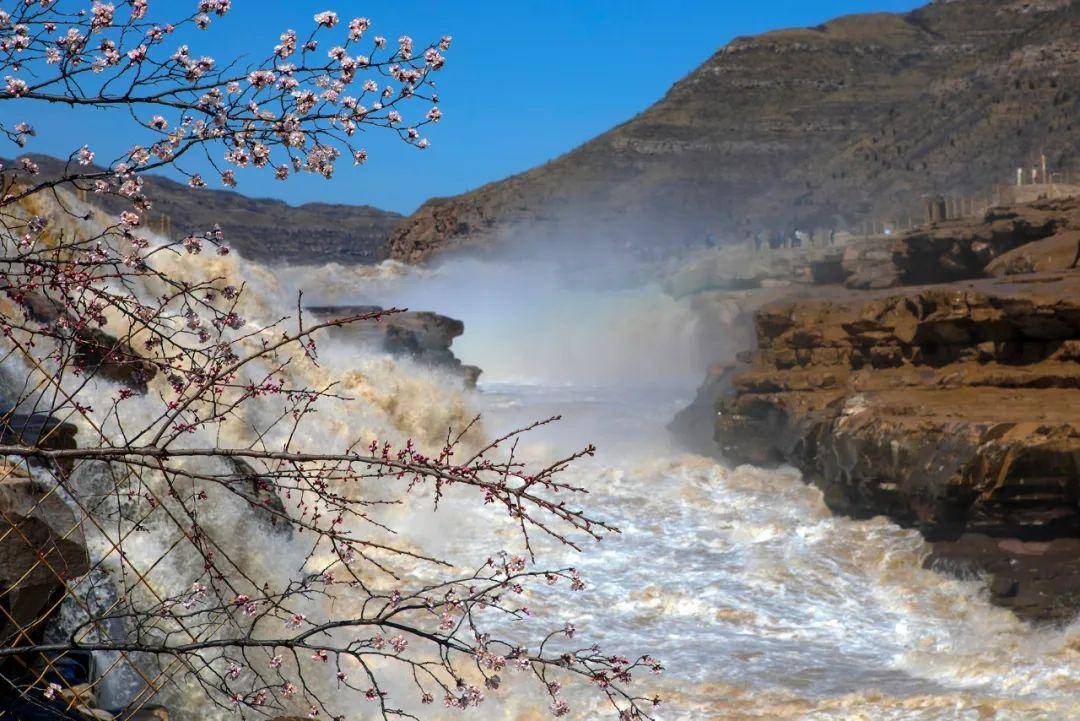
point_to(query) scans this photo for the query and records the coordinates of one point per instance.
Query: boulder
(41, 548)
(95, 352)
(423, 336)
(38, 430)
(261, 494)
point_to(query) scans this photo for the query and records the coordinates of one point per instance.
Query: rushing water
(764, 605)
(761, 603)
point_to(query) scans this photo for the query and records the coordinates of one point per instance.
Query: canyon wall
(952, 407)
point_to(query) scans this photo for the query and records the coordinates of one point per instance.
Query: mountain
(260, 228)
(820, 128)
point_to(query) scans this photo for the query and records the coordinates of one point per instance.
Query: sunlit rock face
(949, 407)
(815, 129)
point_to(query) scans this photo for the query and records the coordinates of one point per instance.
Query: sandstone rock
(1056, 253)
(948, 408)
(693, 426)
(1037, 237)
(1042, 585)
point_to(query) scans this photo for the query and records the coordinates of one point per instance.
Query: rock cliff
(822, 127)
(952, 407)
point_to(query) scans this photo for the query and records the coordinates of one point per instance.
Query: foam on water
(765, 606)
(760, 602)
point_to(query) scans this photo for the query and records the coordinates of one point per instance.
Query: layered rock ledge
(953, 408)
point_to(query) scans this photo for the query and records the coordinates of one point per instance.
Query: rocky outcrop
(261, 493)
(37, 430)
(1041, 236)
(816, 128)
(41, 549)
(423, 336)
(952, 409)
(94, 352)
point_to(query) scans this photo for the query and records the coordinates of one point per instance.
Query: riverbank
(950, 407)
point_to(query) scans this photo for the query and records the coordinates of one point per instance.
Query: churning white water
(761, 604)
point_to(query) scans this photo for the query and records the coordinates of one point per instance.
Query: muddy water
(764, 605)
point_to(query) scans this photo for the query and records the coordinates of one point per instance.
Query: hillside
(816, 128)
(261, 228)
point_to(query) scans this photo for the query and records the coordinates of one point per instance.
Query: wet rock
(95, 351)
(38, 430)
(42, 548)
(261, 493)
(1039, 581)
(422, 336)
(693, 426)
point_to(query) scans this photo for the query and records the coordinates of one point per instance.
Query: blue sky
(526, 81)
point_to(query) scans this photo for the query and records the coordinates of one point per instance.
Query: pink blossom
(434, 59)
(16, 87)
(559, 707)
(261, 78)
(218, 7)
(137, 55)
(327, 18)
(287, 46)
(102, 15)
(357, 26)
